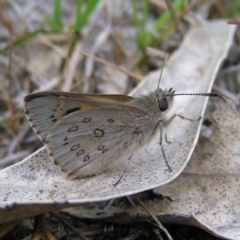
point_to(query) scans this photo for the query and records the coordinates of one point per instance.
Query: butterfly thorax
(155, 106)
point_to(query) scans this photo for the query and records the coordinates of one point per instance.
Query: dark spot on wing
(86, 120)
(73, 129)
(75, 147)
(99, 133)
(86, 158)
(72, 110)
(81, 152)
(101, 147)
(105, 150)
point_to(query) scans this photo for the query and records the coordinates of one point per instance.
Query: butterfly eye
(163, 105)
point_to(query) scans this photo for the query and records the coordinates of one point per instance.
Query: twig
(174, 16)
(156, 220)
(132, 75)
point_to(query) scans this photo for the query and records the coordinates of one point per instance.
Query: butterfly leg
(161, 132)
(160, 143)
(167, 139)
(124, 170)
(180, 116)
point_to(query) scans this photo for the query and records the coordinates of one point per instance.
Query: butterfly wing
(84, 133)
(86, 142)
(45, 109)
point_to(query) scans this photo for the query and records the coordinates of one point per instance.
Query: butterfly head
(164, 99)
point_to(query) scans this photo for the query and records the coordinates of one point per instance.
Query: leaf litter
(22, 185)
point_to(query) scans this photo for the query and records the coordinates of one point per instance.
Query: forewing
(45, 109)
(85, 143)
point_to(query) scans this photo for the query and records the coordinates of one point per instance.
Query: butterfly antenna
(160, 77)
(213, 94)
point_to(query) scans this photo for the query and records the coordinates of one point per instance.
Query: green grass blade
(55, 22)
(22, 40)
(83, 16)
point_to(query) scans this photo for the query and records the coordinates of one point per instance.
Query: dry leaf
(192, 68)
(206, 195)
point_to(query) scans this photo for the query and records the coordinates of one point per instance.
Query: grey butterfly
(84, 134)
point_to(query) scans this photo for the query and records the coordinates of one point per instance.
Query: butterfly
(85, 133)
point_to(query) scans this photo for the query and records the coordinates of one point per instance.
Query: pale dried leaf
(206, 195)
(190, 69)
